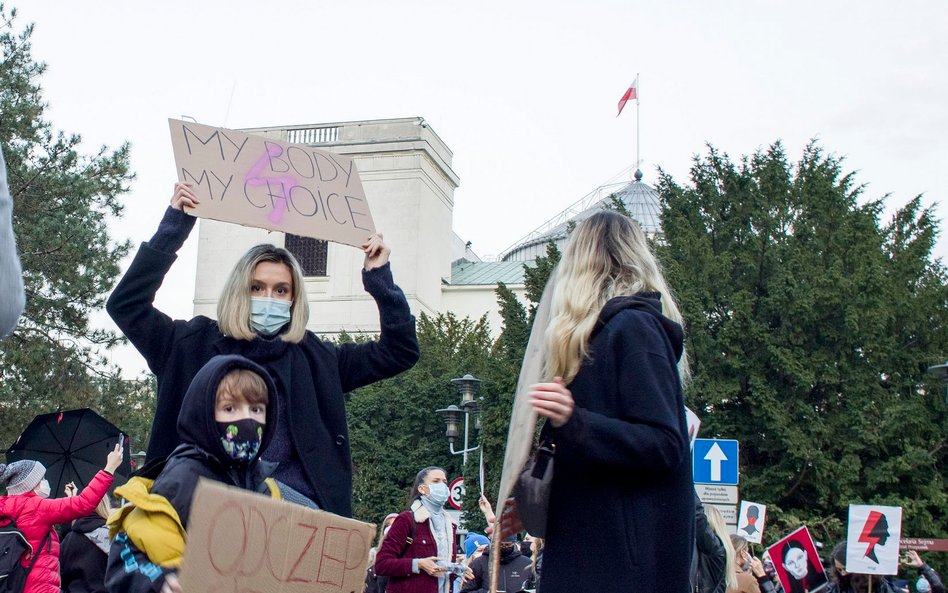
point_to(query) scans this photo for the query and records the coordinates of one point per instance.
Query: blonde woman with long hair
(750, 573)
(621, 515)
(716, 557)
(262, 315)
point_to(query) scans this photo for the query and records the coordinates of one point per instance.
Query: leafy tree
(62, 200)
(810, 326)
(394, 430)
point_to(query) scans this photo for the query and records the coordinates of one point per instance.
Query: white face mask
(43, 491)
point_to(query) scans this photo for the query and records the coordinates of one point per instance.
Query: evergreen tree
(810, 326)
(394, 430)
(62, 201)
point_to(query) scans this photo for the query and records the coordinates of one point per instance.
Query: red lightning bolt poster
(872, 543)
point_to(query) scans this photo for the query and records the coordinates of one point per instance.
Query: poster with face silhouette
(750, 521)
(797, 563)
(872, 543)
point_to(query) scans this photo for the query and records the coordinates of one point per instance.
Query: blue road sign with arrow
(715, 461)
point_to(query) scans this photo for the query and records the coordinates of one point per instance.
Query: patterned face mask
(241, 438)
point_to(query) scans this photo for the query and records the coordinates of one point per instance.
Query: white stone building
(409, 183)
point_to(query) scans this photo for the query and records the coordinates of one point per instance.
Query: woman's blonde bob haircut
(233, 308)
(607, 256)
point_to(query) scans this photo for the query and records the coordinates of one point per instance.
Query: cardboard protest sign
(872, 541)
(797, 563)
(265, 183)
(523, 421)
(750, 521)
(241, 541)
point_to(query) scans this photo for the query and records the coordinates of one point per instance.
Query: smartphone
(121, 442)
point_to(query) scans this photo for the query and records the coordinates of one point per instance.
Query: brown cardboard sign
(243, 542)
(265, 183)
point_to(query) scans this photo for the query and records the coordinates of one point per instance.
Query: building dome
(639, 198)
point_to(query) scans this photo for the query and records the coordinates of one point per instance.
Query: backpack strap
(45, 543)
(410, 538)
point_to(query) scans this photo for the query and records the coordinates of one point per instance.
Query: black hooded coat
(200, 455)
(81, 561)
(622, 514)
(313, 376)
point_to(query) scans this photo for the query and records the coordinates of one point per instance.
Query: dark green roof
(464, 272)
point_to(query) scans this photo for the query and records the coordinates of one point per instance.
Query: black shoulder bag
(533, 489)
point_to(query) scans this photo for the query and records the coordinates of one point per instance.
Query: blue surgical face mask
(922, 585)
(438, 493)
(268, 316)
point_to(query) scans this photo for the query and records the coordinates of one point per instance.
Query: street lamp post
(467, 386)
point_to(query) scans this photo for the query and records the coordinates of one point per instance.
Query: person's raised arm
(131, 304)
(396, 350)
(60, 510)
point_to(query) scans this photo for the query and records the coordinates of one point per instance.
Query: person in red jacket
(418, 554)
(35, 514)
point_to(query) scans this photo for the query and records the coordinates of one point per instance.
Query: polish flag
(630, 95)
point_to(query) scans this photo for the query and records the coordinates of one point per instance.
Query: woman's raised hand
(376, 252)
(184, 196)
(114, 460)
(552, 400)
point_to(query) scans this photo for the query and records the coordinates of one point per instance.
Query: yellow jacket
(152, 524)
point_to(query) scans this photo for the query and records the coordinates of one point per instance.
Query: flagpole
(637, 126)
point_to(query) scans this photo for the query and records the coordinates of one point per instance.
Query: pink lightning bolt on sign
(265, 183)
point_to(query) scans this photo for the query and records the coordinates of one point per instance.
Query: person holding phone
(751, 576)
(27, 502)
(928, 578)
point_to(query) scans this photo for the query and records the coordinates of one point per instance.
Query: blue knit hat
(472, 541)
(21, 476)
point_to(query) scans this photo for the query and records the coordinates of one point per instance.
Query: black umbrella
(73, 446)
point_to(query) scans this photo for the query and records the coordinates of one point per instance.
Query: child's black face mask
(241, 438)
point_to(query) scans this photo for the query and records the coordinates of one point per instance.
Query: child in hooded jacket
(227, 419)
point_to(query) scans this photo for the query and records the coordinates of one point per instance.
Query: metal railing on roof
(312, 135)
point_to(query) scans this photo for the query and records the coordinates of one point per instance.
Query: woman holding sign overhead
(262, 314)
(613, 359)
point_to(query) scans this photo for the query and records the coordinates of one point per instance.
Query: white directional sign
(715, 461)
(717, 494)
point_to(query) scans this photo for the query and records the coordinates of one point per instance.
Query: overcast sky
(524, 93)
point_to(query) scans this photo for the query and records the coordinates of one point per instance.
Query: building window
(311, 253)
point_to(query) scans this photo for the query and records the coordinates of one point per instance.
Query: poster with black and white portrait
(750, 521)
(797, 563)
(872, 543)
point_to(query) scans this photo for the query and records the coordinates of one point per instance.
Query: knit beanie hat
(472, 541)
(21, 476)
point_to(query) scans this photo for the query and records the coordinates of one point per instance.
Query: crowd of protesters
(254, 400)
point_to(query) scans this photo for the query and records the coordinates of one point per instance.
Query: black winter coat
(81, 561)
(200, 455)
(312, 376)
(710, 556)
(515, 572)
(621, 515)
